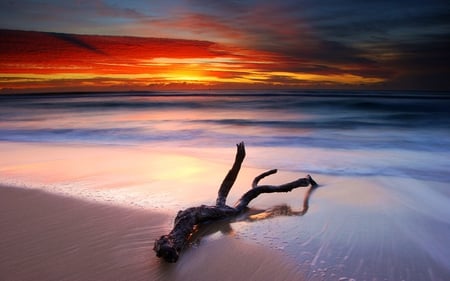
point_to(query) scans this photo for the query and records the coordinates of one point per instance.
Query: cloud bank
(323, 43)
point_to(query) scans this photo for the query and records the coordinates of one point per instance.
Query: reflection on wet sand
(225, 226)
(285, 210)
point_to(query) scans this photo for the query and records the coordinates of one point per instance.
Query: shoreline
(51, 237)
(76, 221)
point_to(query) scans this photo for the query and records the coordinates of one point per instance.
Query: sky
(146, 45)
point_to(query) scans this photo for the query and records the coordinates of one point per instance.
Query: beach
(356, 228)
(50, 237)
(89, 181)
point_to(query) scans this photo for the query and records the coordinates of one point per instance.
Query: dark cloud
(421, 65)
(77, 41)
(401, 41)
(404, 42)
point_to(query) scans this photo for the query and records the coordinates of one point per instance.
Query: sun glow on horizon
(41, 61)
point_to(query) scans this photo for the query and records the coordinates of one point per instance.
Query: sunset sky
(147, 45)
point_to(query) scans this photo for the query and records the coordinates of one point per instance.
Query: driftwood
(169, 246)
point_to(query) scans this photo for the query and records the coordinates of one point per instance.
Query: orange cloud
(52, 61)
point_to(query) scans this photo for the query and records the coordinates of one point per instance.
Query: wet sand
(79, 221)
(50, 237)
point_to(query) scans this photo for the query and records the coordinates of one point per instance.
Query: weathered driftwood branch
(230, 178)
(169, 246)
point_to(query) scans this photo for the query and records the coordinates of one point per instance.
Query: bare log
(169, 246)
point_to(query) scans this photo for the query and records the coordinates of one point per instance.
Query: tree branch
(263, 175)
(230, 178)
(169, 246)
(257, 190)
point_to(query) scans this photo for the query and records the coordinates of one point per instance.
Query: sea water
(382, 159)
(363, 133)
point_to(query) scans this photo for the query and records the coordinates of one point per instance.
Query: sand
(50, 237)
(76, 220)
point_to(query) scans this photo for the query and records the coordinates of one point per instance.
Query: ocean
(386, 133)
(382, 159)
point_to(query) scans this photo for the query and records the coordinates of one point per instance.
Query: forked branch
(169, 246)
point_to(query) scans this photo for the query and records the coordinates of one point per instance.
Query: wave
(206, 136)
(344, 123)
(331, 119)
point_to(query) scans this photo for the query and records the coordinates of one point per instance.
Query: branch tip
(312, 182)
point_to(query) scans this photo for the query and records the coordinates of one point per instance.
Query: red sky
(33, 61)
(378, 44)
